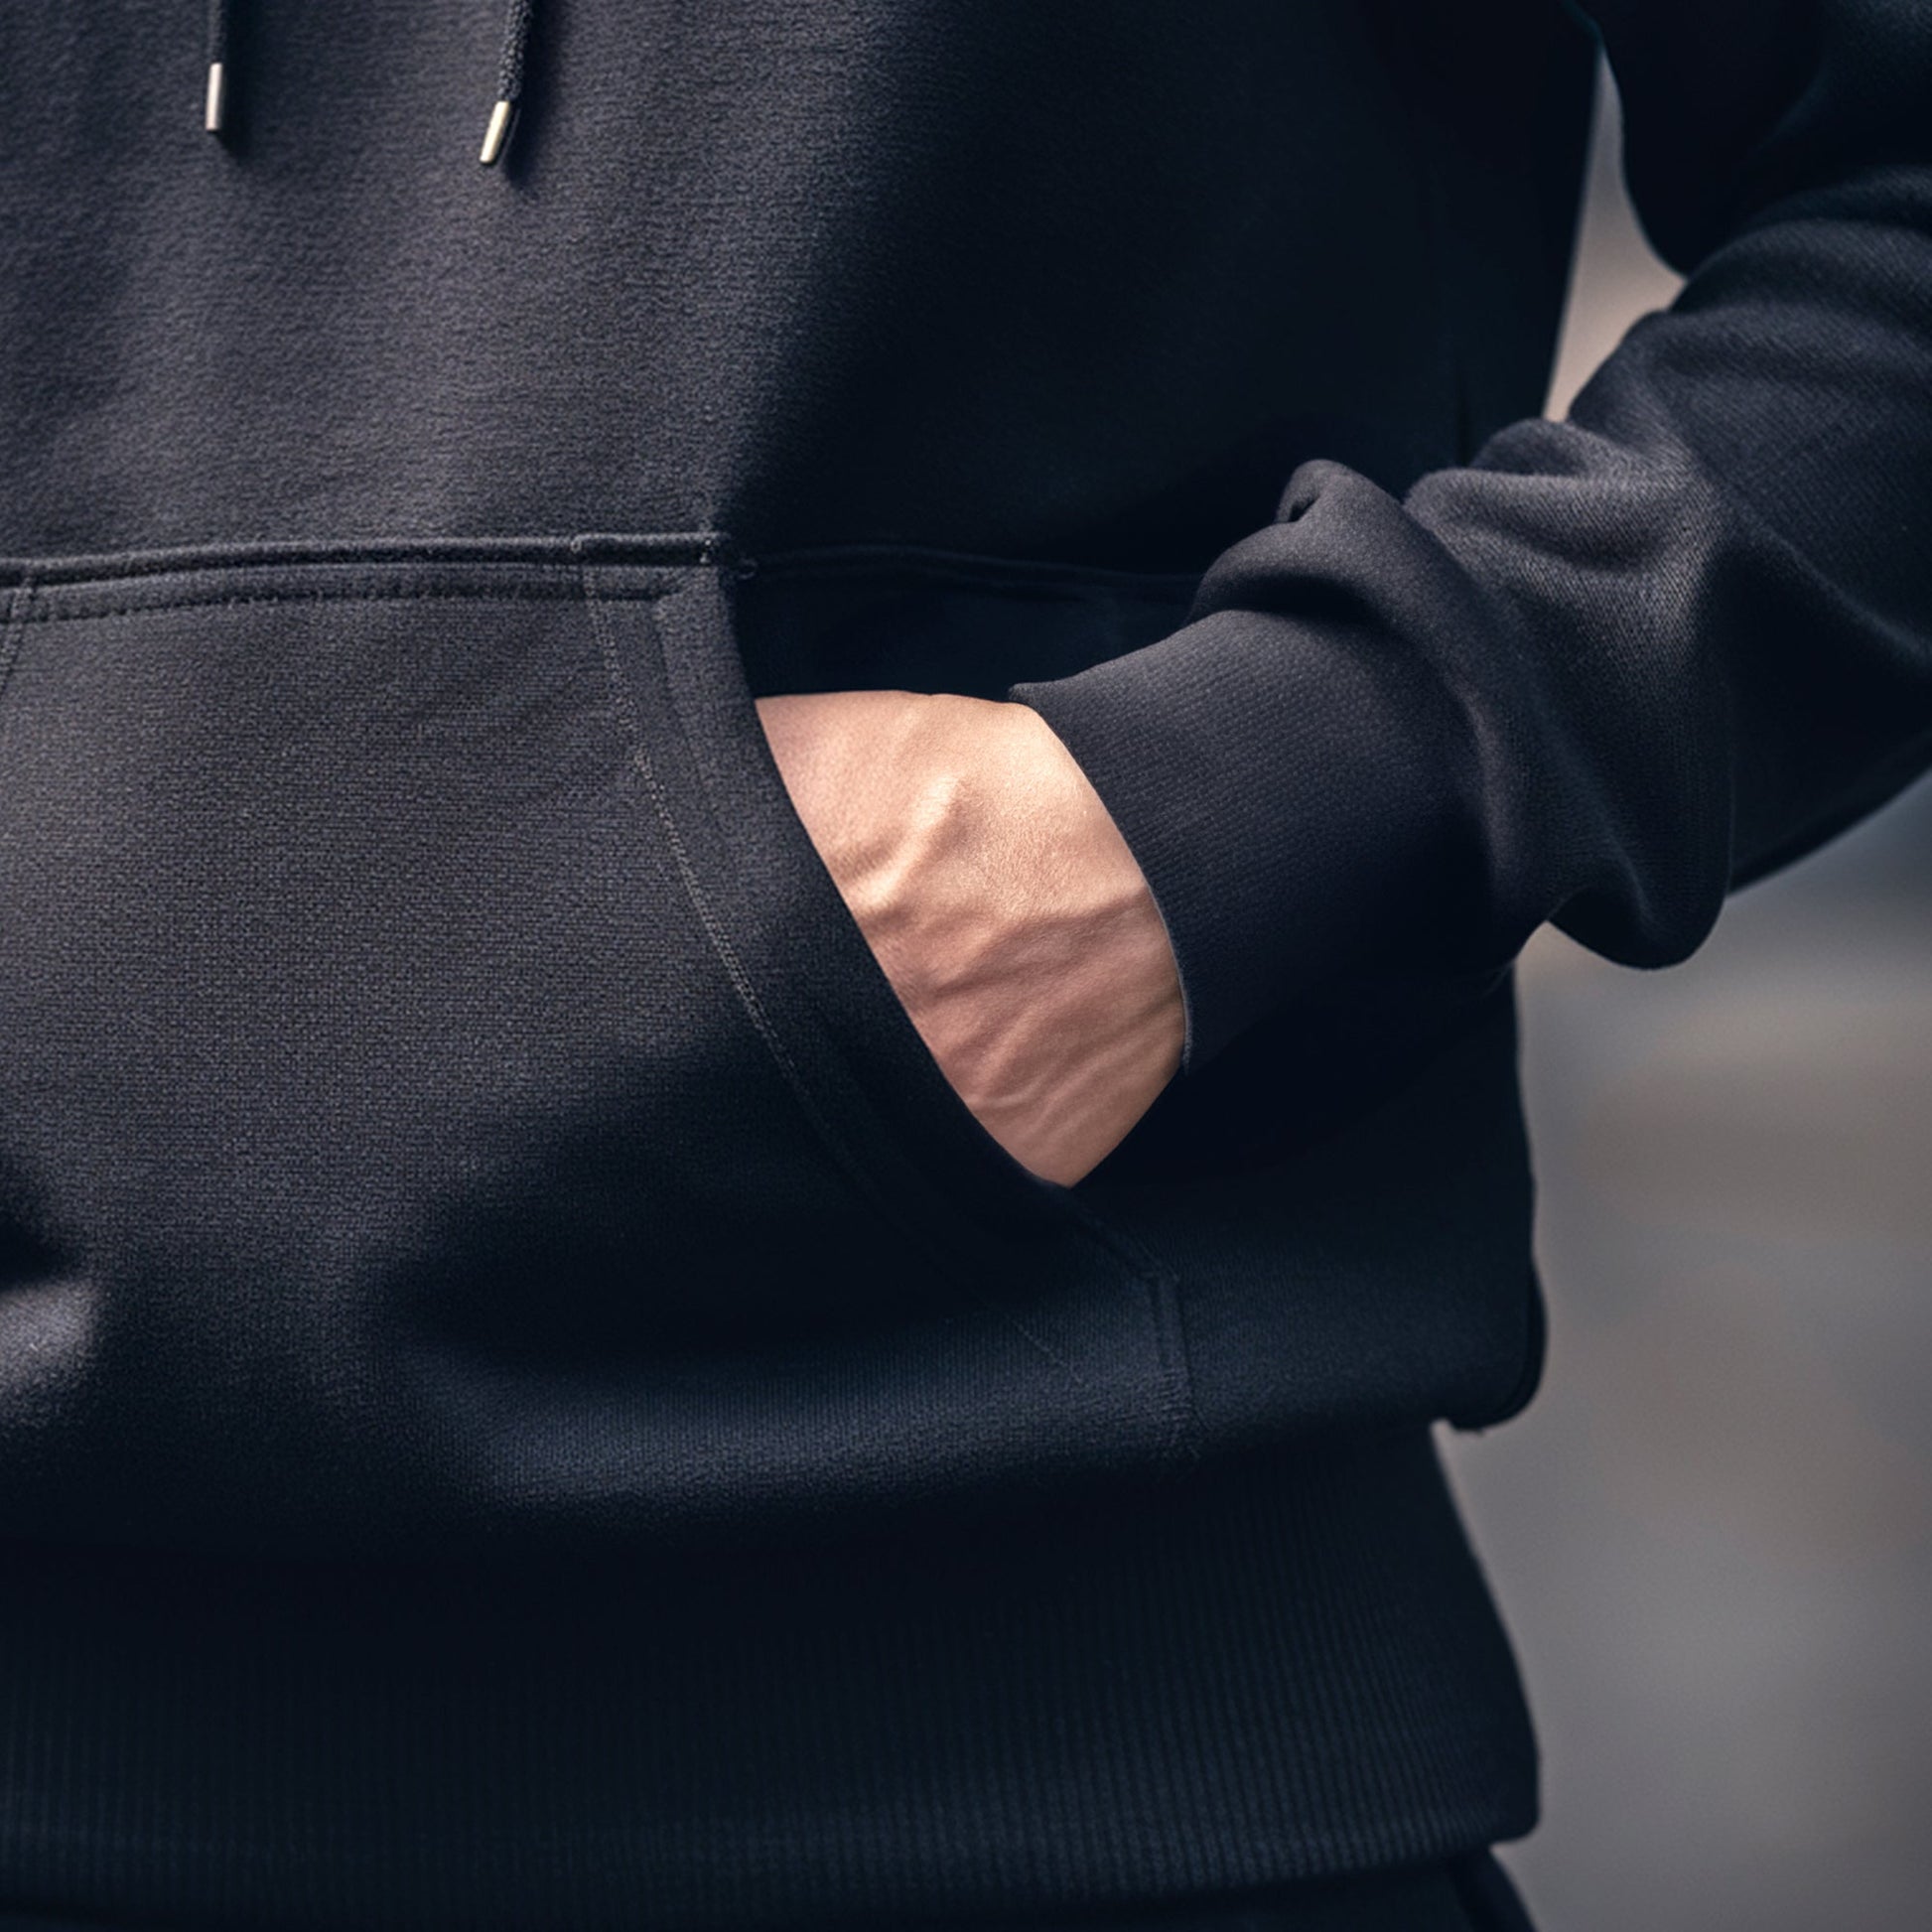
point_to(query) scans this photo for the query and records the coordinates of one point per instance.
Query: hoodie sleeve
(1613, 666)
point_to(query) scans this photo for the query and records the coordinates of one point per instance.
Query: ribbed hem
(1277, 1669)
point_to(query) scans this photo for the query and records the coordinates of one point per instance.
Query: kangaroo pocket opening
(446, 1097)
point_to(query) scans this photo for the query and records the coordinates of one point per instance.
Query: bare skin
(1001, 902)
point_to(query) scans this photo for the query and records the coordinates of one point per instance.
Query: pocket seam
(1173, 1396)
(18, 601)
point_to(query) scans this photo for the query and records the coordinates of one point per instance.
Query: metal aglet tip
(498, 132)
(218, 99)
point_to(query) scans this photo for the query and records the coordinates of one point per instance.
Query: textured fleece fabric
(525, 1399)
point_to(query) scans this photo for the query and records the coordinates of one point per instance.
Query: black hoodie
(525, 1400)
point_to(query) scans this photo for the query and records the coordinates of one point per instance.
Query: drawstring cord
(509, 74)
(216, 110)
(510, 79)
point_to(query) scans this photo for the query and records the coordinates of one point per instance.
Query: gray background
(1711, 1533)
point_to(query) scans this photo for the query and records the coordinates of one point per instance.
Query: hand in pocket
(1001, 903)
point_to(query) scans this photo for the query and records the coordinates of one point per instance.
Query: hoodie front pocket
(445, 1095)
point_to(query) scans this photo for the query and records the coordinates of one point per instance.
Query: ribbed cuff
(1286, 766)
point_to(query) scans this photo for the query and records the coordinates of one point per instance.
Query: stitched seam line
(714, 931)
(570, 592)
(649, 550)
(1163, 1286)
(18, 601)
